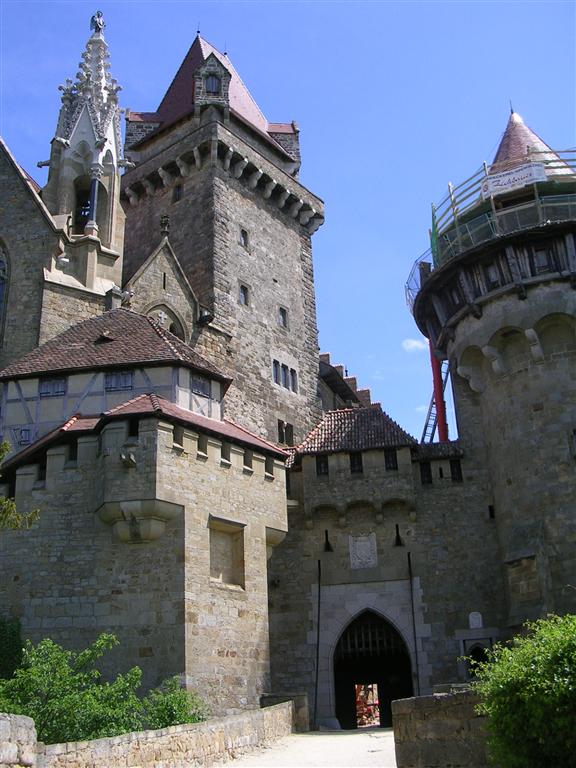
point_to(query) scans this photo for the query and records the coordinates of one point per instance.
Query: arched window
(3, 287)
(212, 85)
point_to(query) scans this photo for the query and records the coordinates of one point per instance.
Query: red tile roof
(514, 145)
(115, 339)
(153, 405)
(178, 101)
(354, 429)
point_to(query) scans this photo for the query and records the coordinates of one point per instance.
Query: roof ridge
(161, 332)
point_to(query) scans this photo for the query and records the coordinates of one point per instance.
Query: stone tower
(61, 246)
(240, 231)
(496, 294)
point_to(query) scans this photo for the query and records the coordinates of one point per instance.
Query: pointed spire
(519, 144)
(94, 87)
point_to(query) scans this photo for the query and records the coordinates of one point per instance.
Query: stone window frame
(285, 432)
(236, 531)
(426, 472)
(322, 465)
(244, 238)
(391, 459)
(356, 463)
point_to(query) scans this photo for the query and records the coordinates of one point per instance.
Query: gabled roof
(165, 246)
(178, 101)
(116, 339)
(355, 429)
(151, 405)
(514, 148)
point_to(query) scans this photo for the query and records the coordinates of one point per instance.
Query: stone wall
(439, 731)
(17, 741)
(199, 744)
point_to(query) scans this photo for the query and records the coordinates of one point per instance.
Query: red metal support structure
(439, 396)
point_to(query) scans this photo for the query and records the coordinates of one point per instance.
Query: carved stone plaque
(363, 551)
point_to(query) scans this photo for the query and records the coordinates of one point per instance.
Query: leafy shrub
(10, 647)
(65, 694)
(170, 704)
(528, 691)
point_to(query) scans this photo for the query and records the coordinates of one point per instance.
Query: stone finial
(165, 224)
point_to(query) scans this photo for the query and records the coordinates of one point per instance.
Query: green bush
(65, 694)
(170, 704)
(528, 691)
(10, 647)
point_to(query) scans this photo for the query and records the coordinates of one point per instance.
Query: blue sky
(393, 99)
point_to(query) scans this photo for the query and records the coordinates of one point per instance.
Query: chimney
(113, 298)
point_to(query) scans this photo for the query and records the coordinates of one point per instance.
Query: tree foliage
(69, 700)
(10, 518)
(528, 691)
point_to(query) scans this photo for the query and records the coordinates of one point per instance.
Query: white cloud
(421, 409)
(415, 345)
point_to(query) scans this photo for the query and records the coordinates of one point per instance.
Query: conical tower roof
(519, 144)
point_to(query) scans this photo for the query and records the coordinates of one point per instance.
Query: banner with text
(507, 181)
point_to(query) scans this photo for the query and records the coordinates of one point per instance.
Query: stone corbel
(295, 208)
(140, 520)
(306, 215)
(183, 166)
(197, 158)
(273, 537)
(269, 188)
(315, 224)
(284, 195)
(132, 196)
(228, 158)
(495, 359)
(239, 167)
(535, 347)
(473, 376)
(254, 178)
(165, 176)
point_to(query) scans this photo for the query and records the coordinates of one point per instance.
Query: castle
(211, 489)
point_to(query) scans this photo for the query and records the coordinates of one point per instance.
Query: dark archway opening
(370, 652)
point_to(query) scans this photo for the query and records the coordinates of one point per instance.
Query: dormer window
(212, 85)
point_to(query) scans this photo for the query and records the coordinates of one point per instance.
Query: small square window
(177, 193)
(322, 465)
(200, 385)
(283, 317)
(356, 467)
(244, 295)
(52, 387)
(390, 459)
(117, 381)
(244, 240)
(542, 260)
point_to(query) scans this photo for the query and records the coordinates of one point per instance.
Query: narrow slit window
(244, 240)
(285, 377)
(293, 380)
(276, 371)
(322, 465)
(356, 467)
(244, 295)
(283, 317)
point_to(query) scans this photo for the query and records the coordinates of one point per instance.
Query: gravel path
(363, 748)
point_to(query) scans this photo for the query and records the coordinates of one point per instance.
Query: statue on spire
(97, 22)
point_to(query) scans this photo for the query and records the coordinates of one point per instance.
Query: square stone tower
(240, 229)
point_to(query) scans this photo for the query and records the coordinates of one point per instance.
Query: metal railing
(454, 232)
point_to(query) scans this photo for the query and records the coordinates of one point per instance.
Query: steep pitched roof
(514, 148)
(354, 429)
(115, 339)
(154, 404)
(178, 101)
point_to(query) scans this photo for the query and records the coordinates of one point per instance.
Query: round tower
(496, 296)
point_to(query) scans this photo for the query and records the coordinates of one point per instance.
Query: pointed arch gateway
(370, 652)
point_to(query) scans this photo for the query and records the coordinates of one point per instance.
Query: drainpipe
(410, 576)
